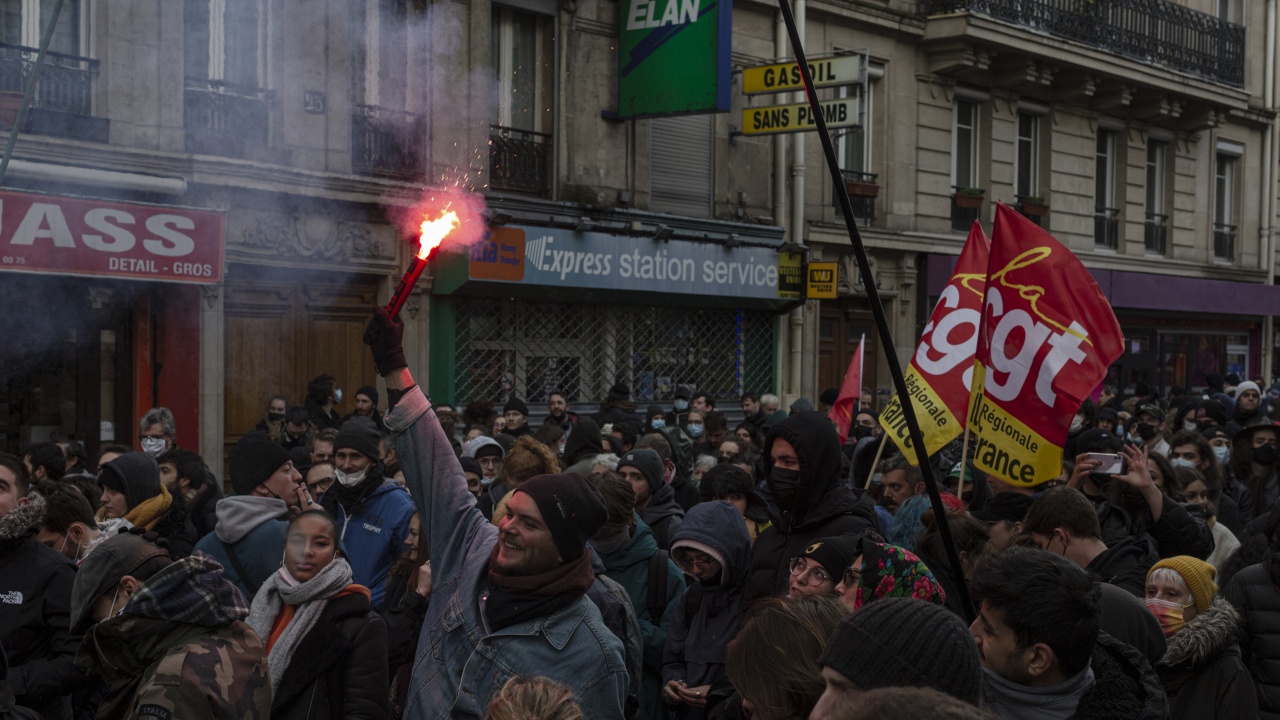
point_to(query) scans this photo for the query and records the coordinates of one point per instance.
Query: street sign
(674, 57)
(775, 119)
(821, 280)
(829, 72)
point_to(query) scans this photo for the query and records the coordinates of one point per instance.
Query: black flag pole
(877, 309)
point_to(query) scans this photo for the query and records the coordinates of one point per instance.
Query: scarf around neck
(520, 598)
(1012, 701)
(310, 598)
(146, 513)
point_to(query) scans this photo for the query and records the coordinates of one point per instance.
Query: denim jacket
(460, 664)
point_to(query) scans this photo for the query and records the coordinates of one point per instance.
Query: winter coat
(822, 506)
(629, 567)
(706, 618)
(1255, 594)
(663, 515)
(1125, 565)
(373, 533)
(321, 418)
(203, 509)
(1127, 619)
(254, 527)
(180, 649)
(35, 592)
(460, 663)
(619, 617)
(176, 527)
(1125, 685)
(1176, 533)
(582, 445)
(339, 669)
(403, 613)
(687, 494)
(1202, 672)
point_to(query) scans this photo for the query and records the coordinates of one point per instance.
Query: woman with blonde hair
(534, 699)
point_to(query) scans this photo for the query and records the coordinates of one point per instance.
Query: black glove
(383, 335)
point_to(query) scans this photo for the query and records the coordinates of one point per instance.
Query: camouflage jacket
(180, 650)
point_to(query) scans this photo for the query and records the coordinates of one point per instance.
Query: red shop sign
(80, 236)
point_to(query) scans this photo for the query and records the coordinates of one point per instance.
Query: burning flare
(434, 232)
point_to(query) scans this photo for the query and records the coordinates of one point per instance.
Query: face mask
(1265, 455)
(657, 424)
(1223, 454)
(783, 484)
(1077, 422)
(153, 446)
(1145, 431)
(275, 417)
(560, 450)
(351, 479)
(1189, 425)
(861, 431)
(1169, 614)
(337, 395)
(694, 430)
(1182, 463)
(681, 405)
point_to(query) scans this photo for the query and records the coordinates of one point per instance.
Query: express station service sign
(83, 236)
(592, 260)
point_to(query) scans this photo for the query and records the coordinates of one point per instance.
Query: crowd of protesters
(416, 560)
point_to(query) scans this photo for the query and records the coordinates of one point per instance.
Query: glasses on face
(690, 563)
(815, 576)
(851, 576)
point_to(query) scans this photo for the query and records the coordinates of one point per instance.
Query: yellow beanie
(1197, 574)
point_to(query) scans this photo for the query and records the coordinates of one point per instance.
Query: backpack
(657, 603)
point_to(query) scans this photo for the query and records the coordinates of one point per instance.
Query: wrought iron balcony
(1155, 233)
(966, 206)
(387, 143)
(519, 160)
(63, 101)
(1106, 227)
(1224, 241)
(225, 119)
(1156, 32)
(863, 190)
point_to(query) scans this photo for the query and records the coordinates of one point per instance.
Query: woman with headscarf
(132, 491)
(883, 571)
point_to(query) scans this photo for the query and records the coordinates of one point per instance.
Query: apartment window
(1106, 216)
(854, 150)
(521, 61)
(964, 145)
(380, 59)
(223, 41)
(1156, 221)
(1027, 158)
(22, 23)
(1224, 202)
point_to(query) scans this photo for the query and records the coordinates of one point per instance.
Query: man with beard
(655, 499)
(373, 511)
(367, 406)
(558, 412)
(510, 600)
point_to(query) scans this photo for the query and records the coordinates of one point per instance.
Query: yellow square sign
(820, 280)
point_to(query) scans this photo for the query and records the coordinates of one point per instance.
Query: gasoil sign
(799, 117)
(785, 77)
(673, 57)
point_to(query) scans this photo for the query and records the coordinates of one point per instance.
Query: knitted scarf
(521, 598)
(146, 513)
(310, 598)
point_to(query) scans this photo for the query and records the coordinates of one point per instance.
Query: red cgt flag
(842, 412)
(1048, 335)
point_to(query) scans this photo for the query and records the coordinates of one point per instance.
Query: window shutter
(681, 165)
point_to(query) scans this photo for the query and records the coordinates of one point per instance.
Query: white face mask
(1189, 425)
(153, 446)
(1182, 463)
(1077, 422)
(348, 480)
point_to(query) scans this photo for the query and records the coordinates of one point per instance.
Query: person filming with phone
(1128, 502)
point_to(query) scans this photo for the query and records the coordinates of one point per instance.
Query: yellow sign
(798, 118)
(790, 275)
(821, 281)
(843, 70)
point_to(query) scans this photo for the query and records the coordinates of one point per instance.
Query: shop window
(1224, 202)
(1187, 359)
(1156, 225)
(521, 59)
(530, 350)
(1106, 214)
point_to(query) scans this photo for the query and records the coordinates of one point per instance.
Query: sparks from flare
(433, 232)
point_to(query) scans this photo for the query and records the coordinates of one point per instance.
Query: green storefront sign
(674, 57)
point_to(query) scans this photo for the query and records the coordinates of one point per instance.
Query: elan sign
(82, 236)
(673, 57)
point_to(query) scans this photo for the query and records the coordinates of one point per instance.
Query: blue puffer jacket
(255, 527)
(374, 536)
(460, 664)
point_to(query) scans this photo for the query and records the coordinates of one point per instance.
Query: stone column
(212, 378)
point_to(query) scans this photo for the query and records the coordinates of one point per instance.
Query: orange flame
(434, 232)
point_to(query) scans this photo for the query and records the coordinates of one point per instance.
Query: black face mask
(1264, 455)
(860, 432)
(784, 484)
(1145, 431)
(275, 417)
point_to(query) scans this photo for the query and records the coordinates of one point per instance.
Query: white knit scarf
(310, 597)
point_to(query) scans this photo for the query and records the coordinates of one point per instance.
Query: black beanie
(620, 391)
(135, 474)
(370, 392)
(571, 509)
(651, 411)
(516, 404)
(469, 465)
(835, 554)
(648, 463)
(903, 642)
(361, 435)
(254, 459)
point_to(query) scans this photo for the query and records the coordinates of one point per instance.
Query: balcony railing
(1157, 32)
(965, 208)
(1106, 227)
(1031, 207)
(387, 143)
(63, 101)
(863, 190)
(519, 160)
(1155, 232)
(1224, 242)
(225, 119)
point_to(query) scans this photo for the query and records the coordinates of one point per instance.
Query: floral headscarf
(893, 571)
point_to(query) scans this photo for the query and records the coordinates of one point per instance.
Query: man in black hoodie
(802, 466)
(655, 499)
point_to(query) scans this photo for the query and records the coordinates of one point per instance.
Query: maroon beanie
(571, 509)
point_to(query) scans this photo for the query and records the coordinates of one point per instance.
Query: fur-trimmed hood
(21, 520)
(1207, 636)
